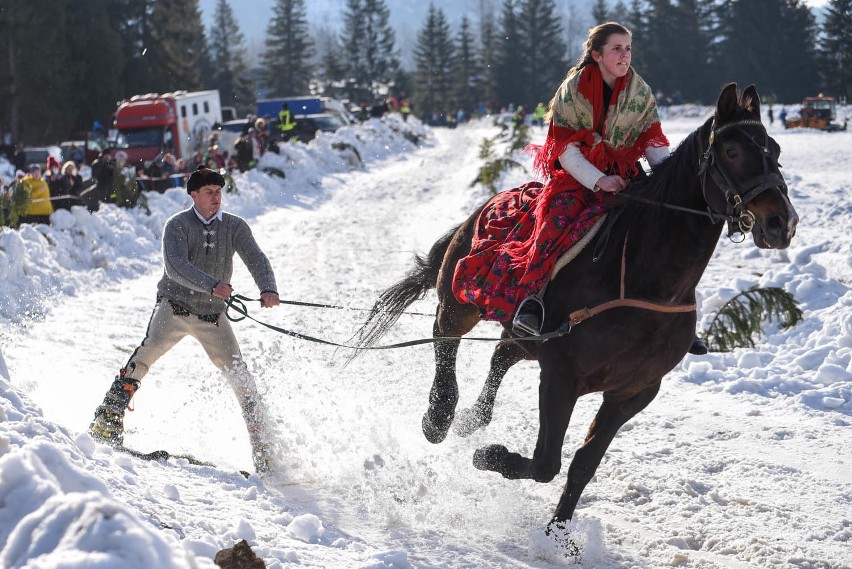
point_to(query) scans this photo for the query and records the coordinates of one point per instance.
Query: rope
(334, 306)
(714, 217)
(237, 303)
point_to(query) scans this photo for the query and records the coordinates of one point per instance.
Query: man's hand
(223, 290)
(269, 299)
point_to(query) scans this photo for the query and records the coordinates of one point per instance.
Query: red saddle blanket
(512, 256)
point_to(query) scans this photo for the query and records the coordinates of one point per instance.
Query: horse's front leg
(444, 393)
(506, 354)
(556, 399)
(613, 413)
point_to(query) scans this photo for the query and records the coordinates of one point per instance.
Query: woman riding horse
(603, 118)
(640, 290)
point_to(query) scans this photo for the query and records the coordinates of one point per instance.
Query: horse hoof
(559, 531)
(435, 433)
(468, 421)
(490, 457)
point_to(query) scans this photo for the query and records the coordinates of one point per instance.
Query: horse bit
(737, 196)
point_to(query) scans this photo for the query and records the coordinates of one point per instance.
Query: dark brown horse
(657, 250)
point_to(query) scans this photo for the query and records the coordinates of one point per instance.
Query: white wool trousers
(166, 328)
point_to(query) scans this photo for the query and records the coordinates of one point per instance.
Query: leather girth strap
(585, 313)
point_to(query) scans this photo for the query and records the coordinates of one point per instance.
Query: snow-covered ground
(743, 460)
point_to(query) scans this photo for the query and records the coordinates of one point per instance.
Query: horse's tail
(395, 299)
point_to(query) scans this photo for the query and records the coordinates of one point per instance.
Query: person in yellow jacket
(286, 124)
(40, 206)
(538, 114)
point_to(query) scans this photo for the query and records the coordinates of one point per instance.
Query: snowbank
(79, 247)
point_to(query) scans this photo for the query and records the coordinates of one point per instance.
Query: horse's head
(740, 172)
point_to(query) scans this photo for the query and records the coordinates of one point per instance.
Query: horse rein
(736, 198)
(736, 195)
(237, 303)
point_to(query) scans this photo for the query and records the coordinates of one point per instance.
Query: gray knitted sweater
(197, 256)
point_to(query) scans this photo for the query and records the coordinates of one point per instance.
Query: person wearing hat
(40, 206)
(102, 171)
(260, 138)
(53, 175)
(198, 250)
(70, 187)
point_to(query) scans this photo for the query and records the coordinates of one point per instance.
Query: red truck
(179, 122)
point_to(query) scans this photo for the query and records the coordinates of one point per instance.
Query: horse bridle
(737, 196)
(739, 218)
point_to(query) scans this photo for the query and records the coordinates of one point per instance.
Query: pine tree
(796, 55)
(655, 45)
(369, 46)
(206, 70)
(382, 58)
(695, 19)
(229, 59)
(636, 21)
(433, 56)
(835, 49)
(488, 42)
(289, 49)
(35, 73)
(600, 12)
(465, 72)
(132, 20)
(512, 72)
(93, 47)
(353, 38)
(576, 29)
(544, 51)
(752, 50)
(331, 64)
(178, 42)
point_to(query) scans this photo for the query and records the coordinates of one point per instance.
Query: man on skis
(198, 250)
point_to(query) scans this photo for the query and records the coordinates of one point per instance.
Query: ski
(163, 455)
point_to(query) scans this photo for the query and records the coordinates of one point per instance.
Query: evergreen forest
(65, 64)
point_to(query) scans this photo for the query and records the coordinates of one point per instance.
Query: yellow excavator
(817, 112)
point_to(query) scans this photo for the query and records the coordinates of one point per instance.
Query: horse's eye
(731, 152)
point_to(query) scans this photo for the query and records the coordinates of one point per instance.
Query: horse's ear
(726, 105)
(751, 100)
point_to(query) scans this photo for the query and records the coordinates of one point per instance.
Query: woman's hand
(610, 184)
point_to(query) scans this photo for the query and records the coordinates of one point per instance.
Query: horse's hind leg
(453, 319)
(506, 354)
(613, 413)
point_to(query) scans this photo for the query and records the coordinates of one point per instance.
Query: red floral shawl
(611, 138)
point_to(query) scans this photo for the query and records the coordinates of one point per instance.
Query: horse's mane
(671, 182)
(671, 178)
(667, 180)
(674, 181)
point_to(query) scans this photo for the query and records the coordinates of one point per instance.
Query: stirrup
(530, 309)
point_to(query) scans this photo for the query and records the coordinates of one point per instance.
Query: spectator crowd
(39, 189)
